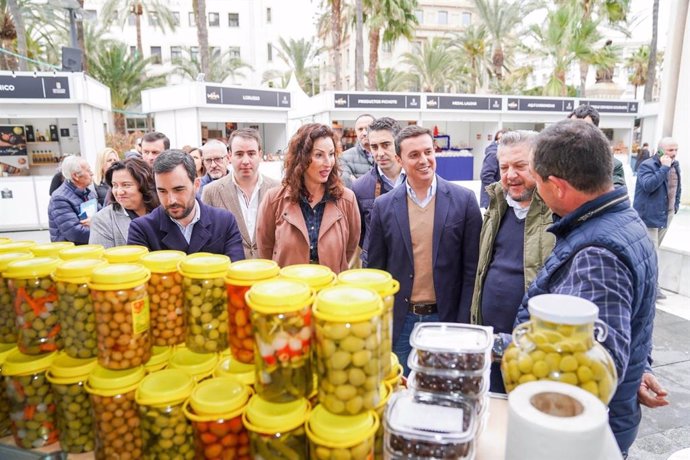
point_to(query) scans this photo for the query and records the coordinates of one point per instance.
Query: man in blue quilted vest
(602, 254)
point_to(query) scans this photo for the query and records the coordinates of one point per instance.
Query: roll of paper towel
(553, 420)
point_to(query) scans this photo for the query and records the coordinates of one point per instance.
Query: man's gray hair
(213, 145)
(510, 138)
(664, 141)
(70, 164)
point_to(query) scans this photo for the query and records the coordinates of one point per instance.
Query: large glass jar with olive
(50, 249)
(118, 426)
(75, 308)
(121, 303)
(67, 377)
(558, 343)
(276, 430)
(348, 349)
(84, 251)
(5, 428)
(32, 407)
(205, 302)
(383, 283)
(341, 437)
(166, 432)
(8, 317)
(165, 297)
(128, 254)
(215, 409)
(241, 276)
(35, 302)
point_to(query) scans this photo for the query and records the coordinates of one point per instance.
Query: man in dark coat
(490, 172)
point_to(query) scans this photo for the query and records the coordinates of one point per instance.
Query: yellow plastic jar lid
(198, 365)
(378, 280)
(266, 417)
(7, 257)
(249, 271)
(85, 251)
(220, 397)
(347, 304)
(15, 246)
(66, 370)
(279, 296)
(118, 276)
(31, 268)
(385, 392)
(159, 358)
(50, 249)
(340, 431)
(107, 382)
(316, 276)
(17, 363)
(162, 261)
(6, 349)
(228, 367)
(125, 254)
(204, 265)
(166, 387)
(77, 270)
(4, 240)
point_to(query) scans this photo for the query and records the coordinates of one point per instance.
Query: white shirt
(398, 181)
(187, 231)
(519, 211)
(249, 206)
(425, 201)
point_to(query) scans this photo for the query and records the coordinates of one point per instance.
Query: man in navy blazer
(426, 234)
(181, 222)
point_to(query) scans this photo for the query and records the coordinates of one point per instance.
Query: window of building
(154, 20)
(387, 47)
(442, 17)
(269, 52)
(133, 51)
(466, 18)
(157, 54)
(131, 20)
(194, 53)
(89, 15)
(176, 18)
(233, 19)
(268, 15)
(213, 51)
(420, 16)
(175, 53)
(214, 19)
(234, 52)
(136, 124)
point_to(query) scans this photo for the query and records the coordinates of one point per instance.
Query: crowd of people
(556, 219)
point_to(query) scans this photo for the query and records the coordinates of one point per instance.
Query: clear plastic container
(276, 430)
(456, 383)
(85, 251)
(243, 373)
(5, 425)
(165, 297)
(128, 254)
(121, 304)
(50, 249)
(335, 437)
(423, 426)
(480, 402)
(452, 346)
(348, 349)
(166, 433)
(205, 295)
(67, 377)
(32, 406)
(242, 275)
(215, 409)
(316, 276)
(281, 321)
(75, 308)
(35, 300)
(118, 426)
(199, 365)
(8, 317)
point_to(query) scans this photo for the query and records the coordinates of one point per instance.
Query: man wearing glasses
(214, 154)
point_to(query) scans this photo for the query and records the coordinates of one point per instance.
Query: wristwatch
(497, 349)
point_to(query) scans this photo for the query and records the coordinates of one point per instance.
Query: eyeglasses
(217, 160)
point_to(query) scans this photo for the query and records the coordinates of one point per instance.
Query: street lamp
(73, 7)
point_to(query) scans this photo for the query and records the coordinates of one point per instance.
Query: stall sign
(29, 87)
(464, 103)
(540, 105)
(613, 106)
(250, 97)
(375, 101)
(13, 146)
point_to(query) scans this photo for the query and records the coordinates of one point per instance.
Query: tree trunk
(21, 31)
(374, 38)
(137, 20)
(497, 61)
(651, 66)
(202, 34)
(584, 70)
(336, 35)
(80, 40)
(359, 48)
(119, 119)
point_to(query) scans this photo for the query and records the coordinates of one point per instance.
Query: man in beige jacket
(241, 191)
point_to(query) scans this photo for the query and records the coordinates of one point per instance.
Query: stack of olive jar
(445, 409)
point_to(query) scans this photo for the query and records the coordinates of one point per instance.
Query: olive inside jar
(341, 437)
(75, 308)
(282, 323)
(276, 430)
(67, 377)
(165, 297)
(118, 426)
(32, 406)
(34, 295)
(166, 432)
(205, 302)
(8, 317)
(348, 349)
(215, 409)
(5, 426)
(121, 303)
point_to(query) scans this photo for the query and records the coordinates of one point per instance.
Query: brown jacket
(281, 232)
(222, 194)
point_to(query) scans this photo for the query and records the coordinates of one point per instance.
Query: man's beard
(187, 211)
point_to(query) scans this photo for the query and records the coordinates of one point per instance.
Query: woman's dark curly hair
(143, 175)
(298, 159)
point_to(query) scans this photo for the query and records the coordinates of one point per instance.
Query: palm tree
(432, 65)
(637, 64)
(120, 11)
(359, 46)
(202, 33)
(8, 35)
(221, 67)
(501, 19)
(651, 65)
(471, 45)
(335, 27)
(276, 78)
(125, 75)
(17, 18)
(393, 80)
(299, 56)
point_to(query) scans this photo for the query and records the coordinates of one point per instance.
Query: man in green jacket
(513, 243)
